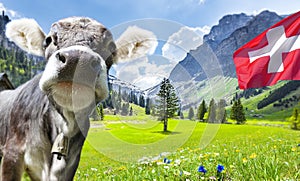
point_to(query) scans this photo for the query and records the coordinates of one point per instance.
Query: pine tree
(191, 113)
(233, 111)
(116, 101)
(100, 111)
(119, 95)
(295, 119)
(147, 107)
(201, 110)
(167, 102)
(212, 111)
(237, 112)
(241, 118)
(125, 109)
(130, 111)
(221, 112)
(142, 101)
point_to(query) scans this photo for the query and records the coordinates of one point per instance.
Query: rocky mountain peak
(232, 32)
(225, 27)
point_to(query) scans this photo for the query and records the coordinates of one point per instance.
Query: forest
(19, 66)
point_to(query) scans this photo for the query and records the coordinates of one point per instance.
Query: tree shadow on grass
(167, 132)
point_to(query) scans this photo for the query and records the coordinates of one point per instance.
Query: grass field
(135, 149)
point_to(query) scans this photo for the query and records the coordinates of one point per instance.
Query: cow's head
(79, 51)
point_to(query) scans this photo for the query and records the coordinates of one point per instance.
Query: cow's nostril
(61, 57)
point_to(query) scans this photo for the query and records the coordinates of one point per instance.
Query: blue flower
(181, 173)
(202, 169)
(167, 161)
(299, 144)
(220, 168)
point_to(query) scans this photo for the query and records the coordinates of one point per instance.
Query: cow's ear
(27, 34)
(135, 42)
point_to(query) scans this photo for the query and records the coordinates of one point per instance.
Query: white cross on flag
(272, 56)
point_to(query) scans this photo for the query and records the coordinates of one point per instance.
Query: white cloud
(148, 81)
(256, 12)
(201, 1)
(181, 42)
(9, 12)
(144, 72)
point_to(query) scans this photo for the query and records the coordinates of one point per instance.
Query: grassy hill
(192, 93)
(270, 112)
(135, 148)
(128, 151)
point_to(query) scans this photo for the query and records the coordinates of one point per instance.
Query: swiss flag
(272, 56)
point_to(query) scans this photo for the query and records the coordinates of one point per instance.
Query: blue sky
(176, 22)
(113, 12)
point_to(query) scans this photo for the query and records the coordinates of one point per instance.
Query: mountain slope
(17, 64)
(196, 78)
(227, 25)
(223, 40)
(280, 110)
(241, 36)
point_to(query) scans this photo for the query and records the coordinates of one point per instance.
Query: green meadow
(135, 148)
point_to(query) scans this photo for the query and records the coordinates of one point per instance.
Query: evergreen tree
(237, 112)
(16, 64)
(108, 101)
(295, 119)
(130, 111)
(153, 111)
(212, 112)
(181, 115)
(131, 97)
(167, 102)
(100, 111)
(191, 113)
(142, 101)
(125, 109)
(201, 110)
(116, 101)
(119, 95)
(125, 96)
(147, 107)
(221, 112)
(233, 111)
(224, 118)
(179, 112)
(135, 99)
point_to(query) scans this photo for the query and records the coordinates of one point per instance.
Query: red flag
(272, 56)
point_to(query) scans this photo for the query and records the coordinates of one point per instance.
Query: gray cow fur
(28, 132)
(79, 51)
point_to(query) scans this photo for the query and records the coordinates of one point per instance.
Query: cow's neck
(67, 126)
(70, 122)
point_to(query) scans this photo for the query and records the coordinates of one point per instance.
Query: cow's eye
(47, 42)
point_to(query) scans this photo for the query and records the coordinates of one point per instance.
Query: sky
(178, 25)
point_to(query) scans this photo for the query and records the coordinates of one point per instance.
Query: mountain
(209, 71)
(123, 85)
(239, 37)
(232, 32)
(17, 64)
(5, 43)
(227, 25)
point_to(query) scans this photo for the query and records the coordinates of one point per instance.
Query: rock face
(226, 26)
(4, 19)
(6, 44)
(232, 32)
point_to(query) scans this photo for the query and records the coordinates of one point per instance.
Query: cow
(44, 122)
